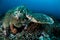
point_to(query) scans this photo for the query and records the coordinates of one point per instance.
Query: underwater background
(50, 7)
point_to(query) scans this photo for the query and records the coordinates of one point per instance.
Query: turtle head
(20, 12)
(20, 16)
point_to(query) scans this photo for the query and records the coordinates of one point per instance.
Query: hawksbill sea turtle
(17, 17)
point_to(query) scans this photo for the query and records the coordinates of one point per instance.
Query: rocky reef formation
(39, 26)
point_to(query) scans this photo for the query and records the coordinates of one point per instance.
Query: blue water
(50, 7)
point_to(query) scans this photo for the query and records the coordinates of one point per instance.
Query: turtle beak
(17, 17)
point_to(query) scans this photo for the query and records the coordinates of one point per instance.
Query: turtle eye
(20, 11)
(19, 18)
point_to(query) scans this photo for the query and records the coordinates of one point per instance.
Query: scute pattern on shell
(41, 18)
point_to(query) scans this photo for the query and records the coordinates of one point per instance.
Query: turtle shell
(40, 18)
